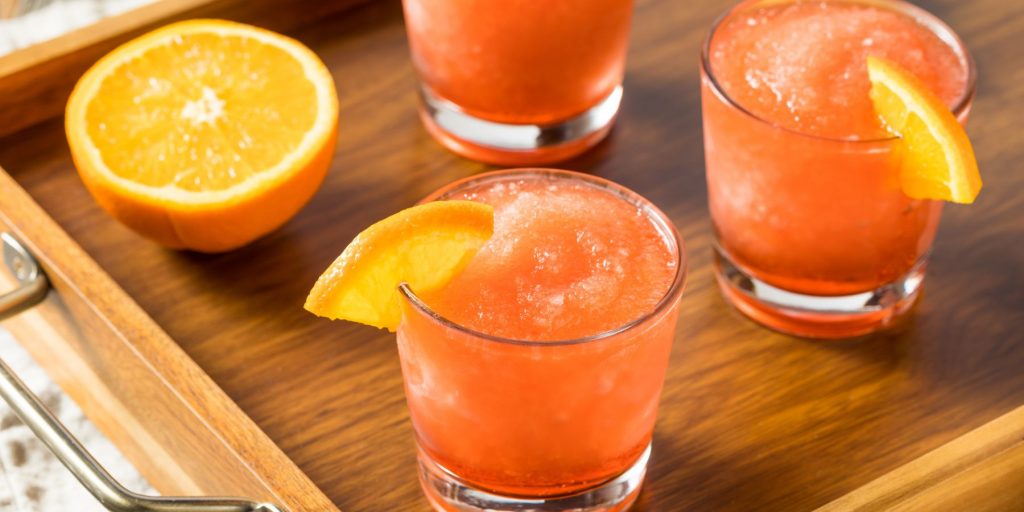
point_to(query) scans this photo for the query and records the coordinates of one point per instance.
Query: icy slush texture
(802, 65)
(567, 260)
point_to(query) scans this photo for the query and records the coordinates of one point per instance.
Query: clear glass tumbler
(814, 235)
(512, 425)
(519, 82)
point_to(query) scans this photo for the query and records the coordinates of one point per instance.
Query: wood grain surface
(981, 470)
(749, 420)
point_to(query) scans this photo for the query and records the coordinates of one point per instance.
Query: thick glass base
(448, 493)
(516, 144)
(815, 316)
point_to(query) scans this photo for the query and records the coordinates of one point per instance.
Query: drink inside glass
(533, 378)
(519, 82)
(814, 235)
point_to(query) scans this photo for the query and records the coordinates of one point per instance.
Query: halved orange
(424, 246)
(938, 160)
(204, 134)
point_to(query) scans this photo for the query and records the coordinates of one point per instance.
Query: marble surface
(39, 20)
(31, 479)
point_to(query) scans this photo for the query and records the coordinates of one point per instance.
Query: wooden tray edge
(182, 432)
(980, 471)
(35, 82)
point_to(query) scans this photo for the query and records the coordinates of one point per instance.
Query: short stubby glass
(814, 236)
(512, 425)
(520, 82)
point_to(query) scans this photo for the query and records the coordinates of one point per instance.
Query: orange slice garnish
(938, 160)
(204, 134)
(424, 246)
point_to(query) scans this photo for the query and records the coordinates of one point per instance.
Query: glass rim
(933, 23)
(660, 220)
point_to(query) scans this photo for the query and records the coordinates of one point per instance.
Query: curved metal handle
(114, 496)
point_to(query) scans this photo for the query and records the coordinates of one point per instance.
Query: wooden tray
(750, 420)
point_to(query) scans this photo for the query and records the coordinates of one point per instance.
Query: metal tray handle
(114, 496)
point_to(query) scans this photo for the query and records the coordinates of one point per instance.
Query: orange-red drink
(815, 235)
(534, 376)
(519, 82)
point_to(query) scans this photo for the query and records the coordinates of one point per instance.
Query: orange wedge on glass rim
(204, 134)
(424, 246)
(938, 160)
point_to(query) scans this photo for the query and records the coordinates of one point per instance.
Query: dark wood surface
(749, 419)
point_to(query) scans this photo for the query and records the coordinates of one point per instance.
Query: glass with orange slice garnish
(832, 139)
(535, 312)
